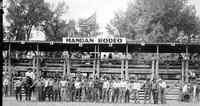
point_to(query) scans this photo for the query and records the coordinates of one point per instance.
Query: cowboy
(30, 74)
(122, 90)
(6, 83)
(162, 86)
(77, 85)
(56, 90)
(127, 93)
(106, 84)
(147, 89)
(135, 89)
(39, 88)
(155, 91)
(18, 85)
(63, 89)
(116, 86)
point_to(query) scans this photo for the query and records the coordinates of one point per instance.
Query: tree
(157, 20)
(23, 15)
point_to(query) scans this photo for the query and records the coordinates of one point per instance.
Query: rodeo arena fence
(111, 70)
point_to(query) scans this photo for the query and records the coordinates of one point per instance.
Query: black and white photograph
(100, 52)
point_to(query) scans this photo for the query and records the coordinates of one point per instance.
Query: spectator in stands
(18, 86)
(6, 83)
(65, 54)
(162, 87)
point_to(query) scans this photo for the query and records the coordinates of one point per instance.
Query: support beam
(157, 62)
(153, 68)
(126, 64)
(37, 62)
(187, 66)
(10, 87)
(68, 67)
(182, 73)
(122, 68)
(64, 67)
(98, 62)
(94, 62)
(34, 65)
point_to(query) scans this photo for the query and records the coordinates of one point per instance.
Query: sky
(104, 10)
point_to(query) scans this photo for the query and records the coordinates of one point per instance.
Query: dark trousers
(18, 93)
(28, 93)
(127, 96)
(155, 96)
(96, 95)
(6, 90)
(147, 93)
(78, 93)
(115, 95)
(39, 93)
(56, 94)
(50, 93)
(105, 95)
(89, 93)
(162, 96)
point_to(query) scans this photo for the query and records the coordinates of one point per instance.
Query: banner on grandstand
(94, 40)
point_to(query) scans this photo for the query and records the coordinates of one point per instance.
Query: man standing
(122, 90)
(39, 87)
(18, 85)
(147, 90)
(77, 85)
(56, 90)
(105, 90)
(63, 89)
(116, 86)
(163, 86)
(6, 83)
(155, 91)
(135, 90)
(127, 93)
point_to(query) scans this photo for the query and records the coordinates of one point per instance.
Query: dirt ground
(10, 101)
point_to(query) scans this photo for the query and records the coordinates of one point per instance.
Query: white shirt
(185, 87)
(116, 85)
(30, 74)
(106, 84)
(136, 85)
(123, 84)
(5, 82)
(77, 84)
(163, 85)
(63, 83)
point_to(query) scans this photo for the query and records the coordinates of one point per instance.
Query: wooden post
(122, 68)
(94, 63)
(64, 67)
(34, 66)
(182, 73)
(98, 63)
(157, 62)
(6, 64)
(152, 68)
(10, 87)
(126, 64)
(68, 66)
(187, 65)
(37, 61)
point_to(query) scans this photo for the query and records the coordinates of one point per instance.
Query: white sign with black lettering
(95, 40)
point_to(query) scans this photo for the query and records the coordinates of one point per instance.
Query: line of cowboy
(109, 90)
